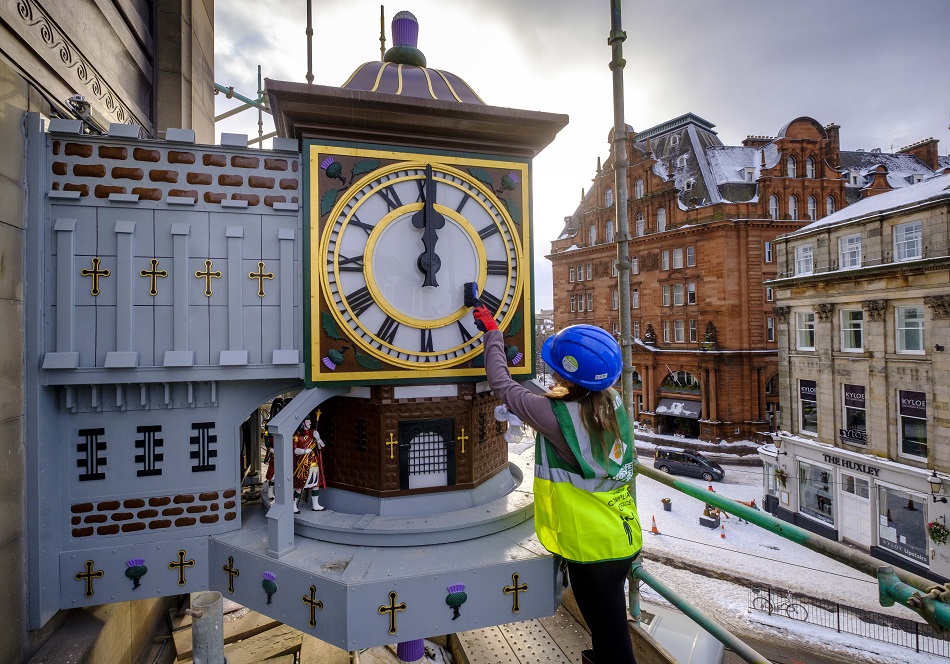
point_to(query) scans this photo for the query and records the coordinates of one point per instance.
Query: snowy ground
(756, 555)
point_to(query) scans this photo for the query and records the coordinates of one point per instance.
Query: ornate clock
(390, 251)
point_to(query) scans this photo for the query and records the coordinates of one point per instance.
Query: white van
(685, 640)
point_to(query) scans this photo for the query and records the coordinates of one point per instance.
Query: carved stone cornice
(824, 311)
(782, 313)
(939, 306)
(875, 310)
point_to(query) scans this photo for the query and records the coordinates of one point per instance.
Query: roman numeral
(346, 264)
(498, 267)
(488, 231)
(366, 227)
(387, 331)
(462, 203)
(466, 335)
(490, 301)
(425, 343)
(360, 300)
(391, 197)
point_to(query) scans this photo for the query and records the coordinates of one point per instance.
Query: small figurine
(276, 406)
(304, 446)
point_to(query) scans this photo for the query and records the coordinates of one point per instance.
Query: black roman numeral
(490, 301)
(425, 343)
(354, 264)
(462, 203)
(391, 197)
(466, 335)
(488, 231)
(387, 331)
(498, 267)
(360, 300)
(366, 227)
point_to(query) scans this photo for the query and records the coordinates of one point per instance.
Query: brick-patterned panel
(178, 511)
(97, 167)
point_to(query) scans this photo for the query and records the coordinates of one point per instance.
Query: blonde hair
(597, 414)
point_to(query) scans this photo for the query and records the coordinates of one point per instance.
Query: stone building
(863, 308)
(102, 62)
(703, 219)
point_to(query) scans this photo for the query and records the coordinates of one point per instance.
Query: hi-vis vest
(587, 516)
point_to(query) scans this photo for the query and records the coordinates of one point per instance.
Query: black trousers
(598, 589)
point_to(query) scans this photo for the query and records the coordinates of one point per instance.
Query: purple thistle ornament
(269, 585)
(135, 570)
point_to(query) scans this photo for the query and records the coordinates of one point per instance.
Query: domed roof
(404, 72)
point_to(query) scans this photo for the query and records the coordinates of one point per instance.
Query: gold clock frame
(319, 302)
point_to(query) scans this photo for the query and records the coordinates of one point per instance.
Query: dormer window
(688, 185)
(609, 198)
(674, 141)
(854, 179)
(915, 178)
(681, 161)
(749, 173)
(791, 167)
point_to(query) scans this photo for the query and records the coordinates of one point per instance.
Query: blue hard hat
(586, 355)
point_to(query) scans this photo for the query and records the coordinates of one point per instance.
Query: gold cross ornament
(260, 275)
(208, 275)
(153, 275)
(95, 273)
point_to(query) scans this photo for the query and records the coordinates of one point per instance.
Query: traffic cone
(653, 529)
(722, 533)
(710, 488)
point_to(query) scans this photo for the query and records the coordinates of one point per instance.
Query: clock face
(395, 252)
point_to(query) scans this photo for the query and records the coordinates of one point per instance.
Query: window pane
(903, 523)
(690, 256)
(908, 241)
(678, 294)
(913, 436)
(852, 330)
(815, 494)
(678, 257)
(910, 329)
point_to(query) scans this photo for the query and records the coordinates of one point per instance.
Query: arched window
(809, 168)
(681, 161)
(638, 189)
(661, 220)
(641, 226)
(592, 234)
(609, 198)
(773, 206)
(674, 141)
(792, 207)
(830, 205)
(812, 208)
(610, 231)
(791, 166)
(683, 380)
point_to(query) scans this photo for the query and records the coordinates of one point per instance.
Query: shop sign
(913, 404)
(807, 390)
(853, 465)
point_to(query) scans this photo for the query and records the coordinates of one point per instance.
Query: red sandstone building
(703, 219)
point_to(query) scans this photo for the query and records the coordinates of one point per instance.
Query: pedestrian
(583, 510)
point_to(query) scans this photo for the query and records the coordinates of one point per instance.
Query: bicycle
(791, 609)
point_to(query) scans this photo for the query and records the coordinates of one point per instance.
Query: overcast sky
(878, 68)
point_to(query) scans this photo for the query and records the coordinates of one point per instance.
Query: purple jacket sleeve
(533, 409)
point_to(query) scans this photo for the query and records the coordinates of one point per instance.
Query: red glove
(484, 321)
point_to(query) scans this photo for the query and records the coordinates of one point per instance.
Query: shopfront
(680, 416)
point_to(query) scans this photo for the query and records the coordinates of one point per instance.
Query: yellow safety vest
(586, 516)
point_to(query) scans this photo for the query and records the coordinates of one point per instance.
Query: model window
(808, 401)
(610, 231)
(674, 141)
(816, 492)
(849, 251)
(689, 185)
(908, 241)
(666, 296)
(638, 189)
(768, 251)
(913, 423)
(636, 330)
(641, 225)
(573, 303)
(615, 298)
(661, 220)
(679, 331)
(769, 294)
(830, 205)
(690, 256)
(580, 302)
(634, 265)
(592, 234)
(691, 293)
(590, 301)
(792, 167)
(852, 330)
(692, 331)
(681, 161)
(854, 417)
(613, 268)
(678, 258)
(571, 278)
(773, 206)
(812, 208)
(665, 259)
(666, 331)
(854, 178)
(770, 329)
(609, 197)
(803, 259)
(590, 271)
(793, 207)
(678, 294)
(903, 523)
(635, 298)
(910, 329)
(809, 168)
(749, 174)
(805, 321)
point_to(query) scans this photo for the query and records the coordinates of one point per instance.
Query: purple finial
(410, 651)
(405, 29)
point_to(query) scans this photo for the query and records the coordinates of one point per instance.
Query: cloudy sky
(878, 68)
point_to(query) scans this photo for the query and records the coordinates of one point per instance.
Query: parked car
(687, 462)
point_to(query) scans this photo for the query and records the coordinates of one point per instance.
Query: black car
(687, 462)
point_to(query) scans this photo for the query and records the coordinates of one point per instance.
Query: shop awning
(680, 408)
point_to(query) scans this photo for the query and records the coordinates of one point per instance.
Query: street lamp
(935, 485)
(778, 446)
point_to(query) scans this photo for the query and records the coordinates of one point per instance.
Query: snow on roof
(933, 188)
(728, 162)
